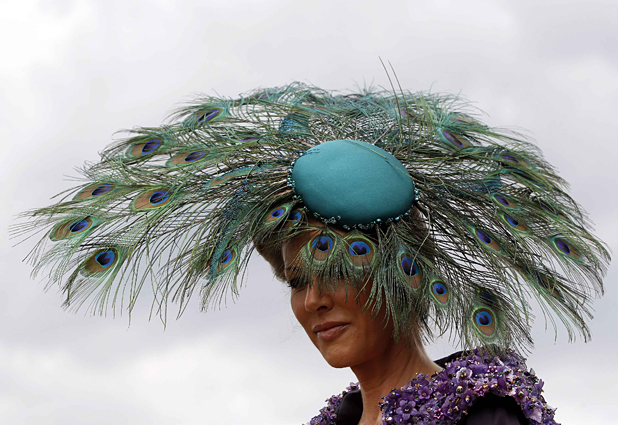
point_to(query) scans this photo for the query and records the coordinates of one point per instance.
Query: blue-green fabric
(354, 180)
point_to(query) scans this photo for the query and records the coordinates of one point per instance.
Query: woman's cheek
(297, 303)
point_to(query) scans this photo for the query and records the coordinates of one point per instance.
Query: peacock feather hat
(457, 224)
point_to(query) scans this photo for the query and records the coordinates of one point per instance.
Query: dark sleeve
(494, 410)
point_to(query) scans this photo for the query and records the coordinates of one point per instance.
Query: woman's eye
(297, 283)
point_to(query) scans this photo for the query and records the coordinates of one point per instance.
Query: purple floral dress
(474, 388)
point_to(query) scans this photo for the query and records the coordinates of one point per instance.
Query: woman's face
(335, 321)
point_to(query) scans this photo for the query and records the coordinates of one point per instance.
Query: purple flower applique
(445, 397)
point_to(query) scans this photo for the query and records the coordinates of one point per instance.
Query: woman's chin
(338, 361)
(339, 355)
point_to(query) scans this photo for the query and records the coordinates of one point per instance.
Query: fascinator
(455, 223)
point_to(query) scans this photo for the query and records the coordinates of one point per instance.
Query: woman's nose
(317, 300)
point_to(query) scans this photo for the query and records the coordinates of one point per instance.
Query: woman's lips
(328, 332)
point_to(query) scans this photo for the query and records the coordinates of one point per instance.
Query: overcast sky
(74, 72)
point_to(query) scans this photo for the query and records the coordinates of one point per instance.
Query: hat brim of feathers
(184, 205)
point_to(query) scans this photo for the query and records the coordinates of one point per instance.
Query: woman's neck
(398, 365)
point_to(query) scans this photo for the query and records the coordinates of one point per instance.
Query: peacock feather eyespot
(410, 270)
(565, 248)
(511, 220)
(454, 139)
(321, 247)
(277, 214)
(105, 258)
(145, 147)
(487, 240)
(542, 281)
(101, 261)
(360, 250)
(504, 201)
(485, 321)
(546, 284)
(483, 318)
(151, 145)
(95, 190)
(195, 156)
(458, 119)
(159, 197)
(207, 115)
(440, 291)
(70, 228)
(227, 259)
(152, 199)
(510, 159)
(408, 265)
(514, 223)
(79, 226)
(438, 288)
(322, 243)
(483, 236)
(294, 218)
(187, 158)
(486, 298)
(547, 207)
(100, 190)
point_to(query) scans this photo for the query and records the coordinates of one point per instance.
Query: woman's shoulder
(470, 385)
(474, 388)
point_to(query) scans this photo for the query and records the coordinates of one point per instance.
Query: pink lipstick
(330, 330)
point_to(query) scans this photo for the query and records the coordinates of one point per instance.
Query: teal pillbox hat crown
(352, 182)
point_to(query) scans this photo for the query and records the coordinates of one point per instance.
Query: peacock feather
(474, 222)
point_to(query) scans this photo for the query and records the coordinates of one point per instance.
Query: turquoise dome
(354, 182)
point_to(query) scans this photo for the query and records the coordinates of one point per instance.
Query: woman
(348, 336)
(390, 215)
